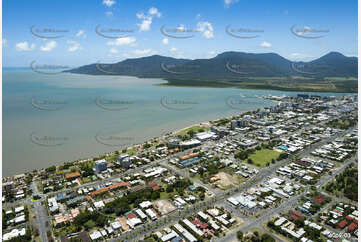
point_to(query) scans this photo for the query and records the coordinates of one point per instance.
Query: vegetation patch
(345, 184)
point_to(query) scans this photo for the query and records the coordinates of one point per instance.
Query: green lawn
(262, 157)
(86, 180)
(197, 176)
(131, 151)
(195, 128)
(166, 195)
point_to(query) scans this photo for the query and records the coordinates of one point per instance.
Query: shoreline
(137, 145)
(271, 88)
(133, 146)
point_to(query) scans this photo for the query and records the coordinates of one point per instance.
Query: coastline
(218, 84)
(133, 146)
(180, 83)
(77, 158)
(226, 84)
(83, 144)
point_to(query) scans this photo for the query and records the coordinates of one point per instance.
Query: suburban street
(140, 232)
(42, 218)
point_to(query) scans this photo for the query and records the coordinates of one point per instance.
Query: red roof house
(319, 199)
(351, 227)
(131, 215)
(342, 224)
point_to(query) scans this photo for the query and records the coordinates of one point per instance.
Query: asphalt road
(41, 220)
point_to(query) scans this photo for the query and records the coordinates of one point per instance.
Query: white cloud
(144, 52)
(165, 41)
(206, 28)
(81, 34)
(147, 19)
(265, 44)
(109, 3)
(154, 11)
(49, 46)
(227, 3)
(145, 25)
(140, 15)
(173, 49)
(24, 46)
(113, 51)
(198, 16)
(74, 46)
(109, 13)
(212, 52)
(123, 41)
(4, 42)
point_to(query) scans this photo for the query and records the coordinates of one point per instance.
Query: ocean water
(52, 118)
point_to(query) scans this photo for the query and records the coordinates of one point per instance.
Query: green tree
(240, 235)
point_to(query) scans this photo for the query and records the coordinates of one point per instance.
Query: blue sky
(271, 21)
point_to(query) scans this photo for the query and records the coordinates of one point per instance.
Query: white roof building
(99, 204)
(110, 230)
(20, 219)
(134, 222)
(191, 142)
(151, 214)
(14, 233)
(280, 221)
(181, 201)
(205, 136)
(19, 209)
(203, 215)
(116, 225)
(145, 204)
(141, 214)
(95, 235)
(233, 201)
(169, 236)
(192, 227)
(185, 233)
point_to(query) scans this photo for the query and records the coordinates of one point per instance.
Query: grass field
(195, 128)
(166, 195)
(262, 157)
(86, 180)
(131, 151)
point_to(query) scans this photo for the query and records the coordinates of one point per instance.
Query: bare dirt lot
(164, 206)
(226, 180)
(123, 222)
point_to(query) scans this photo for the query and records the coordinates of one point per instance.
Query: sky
(75, 33)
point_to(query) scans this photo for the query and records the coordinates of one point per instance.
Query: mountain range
(236, 68)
